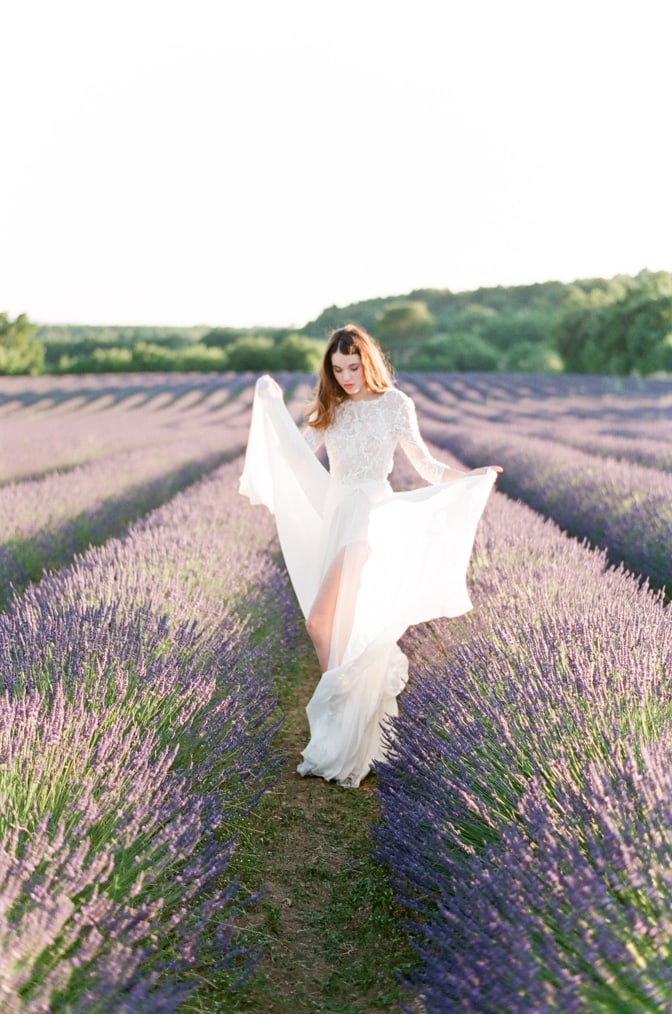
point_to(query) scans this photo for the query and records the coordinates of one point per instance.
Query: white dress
(405, 555)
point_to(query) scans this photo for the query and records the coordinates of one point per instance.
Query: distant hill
(445, 305)
(619, 325)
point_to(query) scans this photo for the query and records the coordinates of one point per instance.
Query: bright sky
(243, 162)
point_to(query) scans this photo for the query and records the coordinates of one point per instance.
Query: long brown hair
(350, 340)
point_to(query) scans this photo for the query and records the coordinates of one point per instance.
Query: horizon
(389, 298)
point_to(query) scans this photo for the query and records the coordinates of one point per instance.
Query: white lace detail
(362, 439)
(403, 557)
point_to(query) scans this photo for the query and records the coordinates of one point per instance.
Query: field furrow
(524, 821)
(521, 833)
(136, 732)
(622, 507)
(45, 522)
(626, 447)
(604, 410)
(63, 429)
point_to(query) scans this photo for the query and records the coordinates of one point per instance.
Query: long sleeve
(314, 438)
(408, 435)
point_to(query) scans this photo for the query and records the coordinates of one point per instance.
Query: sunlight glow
(236, 164)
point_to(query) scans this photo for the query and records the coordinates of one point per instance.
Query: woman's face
(348, 373)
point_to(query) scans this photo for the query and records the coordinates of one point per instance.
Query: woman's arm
(432, 470)
(314, 438)
(408, 434)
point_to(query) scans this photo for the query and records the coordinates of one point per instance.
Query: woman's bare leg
(320, 621)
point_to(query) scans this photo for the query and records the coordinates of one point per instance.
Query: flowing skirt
(404, 561)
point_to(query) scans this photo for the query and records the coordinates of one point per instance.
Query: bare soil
(327, 920)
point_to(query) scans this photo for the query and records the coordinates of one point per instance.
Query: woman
(365, 562)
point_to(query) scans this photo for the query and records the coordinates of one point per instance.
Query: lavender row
(639, 450)
(44, 522)
(61, 422)
(590, 396)
(79, 424)
(524, 806)
(623, 507)
(74, 424)
(597, 406)
(135, 733)
(31, 506)
(98, 389)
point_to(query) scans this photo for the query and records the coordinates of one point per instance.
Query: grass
(326, 923)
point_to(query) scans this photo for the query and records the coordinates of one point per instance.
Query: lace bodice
(364, 434)
(406, 560)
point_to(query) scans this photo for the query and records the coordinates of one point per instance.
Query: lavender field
(147, 623)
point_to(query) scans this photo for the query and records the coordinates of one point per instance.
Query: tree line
(618, 326)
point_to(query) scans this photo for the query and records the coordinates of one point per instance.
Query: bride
(365, 562)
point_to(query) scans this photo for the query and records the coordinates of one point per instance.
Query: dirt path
(328, 923)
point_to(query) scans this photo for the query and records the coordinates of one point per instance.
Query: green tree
(530, 357)
(470, 318)
(630, 336)
(148, 356)
(198, 358)
(254, 354)
(111, 359)
(504, 331)
(403, 326)
(114, 360)
(20, 350)
(296, 353)
(223, 337)
(455, 352)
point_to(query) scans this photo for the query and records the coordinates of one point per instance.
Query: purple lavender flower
(505, 775)
(136, 731)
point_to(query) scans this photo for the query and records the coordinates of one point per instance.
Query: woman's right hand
(268, 386)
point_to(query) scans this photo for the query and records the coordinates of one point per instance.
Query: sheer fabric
(403, 555)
